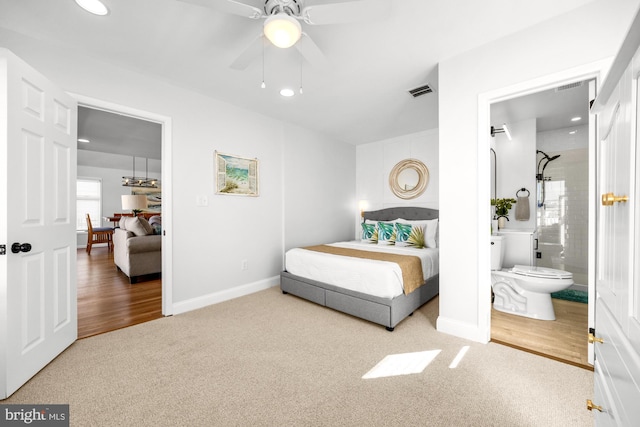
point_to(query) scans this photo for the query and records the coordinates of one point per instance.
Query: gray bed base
(383, 311)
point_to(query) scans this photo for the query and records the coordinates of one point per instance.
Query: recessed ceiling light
(287, 92)
(573, 132)
(84, 140)
(93, 6)
(576, 119)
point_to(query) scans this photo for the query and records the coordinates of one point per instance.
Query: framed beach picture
(154, 198)
(237, 176)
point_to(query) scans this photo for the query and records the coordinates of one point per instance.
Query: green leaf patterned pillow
(409, 235)
(386, 233)
(403, 231)
(369, 233)
(416, 238)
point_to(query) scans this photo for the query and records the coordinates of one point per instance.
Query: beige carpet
(270, 359)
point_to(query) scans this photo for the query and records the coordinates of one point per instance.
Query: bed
(387, 307)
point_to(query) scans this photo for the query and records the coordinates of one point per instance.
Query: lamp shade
(134, 202)
(282, 30)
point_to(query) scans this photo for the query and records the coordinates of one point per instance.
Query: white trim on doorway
(596, 70)
(166, 179)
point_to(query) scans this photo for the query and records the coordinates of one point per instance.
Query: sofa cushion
(137, 225)
(139, 244)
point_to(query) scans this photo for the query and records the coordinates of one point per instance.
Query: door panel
(62, 289)
(619, 362)
(38, 316)
(617, 355)
(609, 414)
(634, 318)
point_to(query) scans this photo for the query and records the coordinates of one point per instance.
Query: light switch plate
(202, 200)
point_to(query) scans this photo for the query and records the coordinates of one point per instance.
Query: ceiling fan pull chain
(263, 85)
(300, 54)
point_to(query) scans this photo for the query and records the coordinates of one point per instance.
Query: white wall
(516, 169)
(564, 245)
(210, 242)
(319, 179)
(591, 33)
(374, 162)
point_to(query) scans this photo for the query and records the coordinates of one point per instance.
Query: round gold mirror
(409, 178)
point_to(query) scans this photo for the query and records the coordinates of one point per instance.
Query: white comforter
(372, 277)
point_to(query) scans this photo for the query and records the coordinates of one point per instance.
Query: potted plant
(502, 209)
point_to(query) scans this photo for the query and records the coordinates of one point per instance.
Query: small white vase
(502, 221)
(494, 226)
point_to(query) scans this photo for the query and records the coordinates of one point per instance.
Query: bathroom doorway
(547, 156)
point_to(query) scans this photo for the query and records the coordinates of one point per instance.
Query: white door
(38, 308)
(617, 350)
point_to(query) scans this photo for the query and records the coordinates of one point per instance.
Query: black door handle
(17, 247)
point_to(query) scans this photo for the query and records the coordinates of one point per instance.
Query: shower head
(549, 159)
(546, 156)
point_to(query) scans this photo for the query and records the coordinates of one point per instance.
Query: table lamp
(136, 203)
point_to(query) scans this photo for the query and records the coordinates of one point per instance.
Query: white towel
(522, 209)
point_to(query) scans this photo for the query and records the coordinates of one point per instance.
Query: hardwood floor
(564, 339)
(106, 300)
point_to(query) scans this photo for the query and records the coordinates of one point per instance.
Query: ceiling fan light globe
(93, 6)
(282, 30)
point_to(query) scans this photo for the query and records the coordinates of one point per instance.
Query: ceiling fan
(282, 21)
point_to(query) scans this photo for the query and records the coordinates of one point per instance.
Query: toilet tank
(497, 252)
(518, 247)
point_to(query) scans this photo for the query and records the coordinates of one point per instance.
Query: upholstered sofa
(137, 247)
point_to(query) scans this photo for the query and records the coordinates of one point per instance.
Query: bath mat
(571, 295)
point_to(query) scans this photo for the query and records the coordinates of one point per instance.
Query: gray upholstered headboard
(409, 212)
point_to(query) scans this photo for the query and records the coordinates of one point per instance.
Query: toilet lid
(546, 273)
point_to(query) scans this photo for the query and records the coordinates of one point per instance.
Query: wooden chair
(99, 235)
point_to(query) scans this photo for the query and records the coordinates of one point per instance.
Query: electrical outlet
(244, 265)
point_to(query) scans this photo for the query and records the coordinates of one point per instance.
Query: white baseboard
(460, 329)
(227, 294)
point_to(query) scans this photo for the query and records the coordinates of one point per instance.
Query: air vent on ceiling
(569, 86)
(422, 90)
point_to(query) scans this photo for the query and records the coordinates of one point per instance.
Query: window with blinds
(88, 201)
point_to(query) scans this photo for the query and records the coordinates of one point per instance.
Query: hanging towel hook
(523, 189)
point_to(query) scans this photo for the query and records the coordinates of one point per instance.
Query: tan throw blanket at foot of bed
(411, 266)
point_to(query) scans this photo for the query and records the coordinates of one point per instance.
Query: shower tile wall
(562, 222)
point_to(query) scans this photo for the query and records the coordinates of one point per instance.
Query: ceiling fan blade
(253, 50)
(233, 7)
(343, 13)
(311, 52)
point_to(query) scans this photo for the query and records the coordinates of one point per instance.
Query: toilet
(524, 290)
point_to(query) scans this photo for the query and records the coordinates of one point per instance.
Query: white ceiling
(553, 108)
(360, 95)
(118, 134)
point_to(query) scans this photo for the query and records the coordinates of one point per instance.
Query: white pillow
(430, 229)
(137, 225)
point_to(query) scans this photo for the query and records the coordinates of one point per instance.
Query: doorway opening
(122, 143)
(560, 242)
